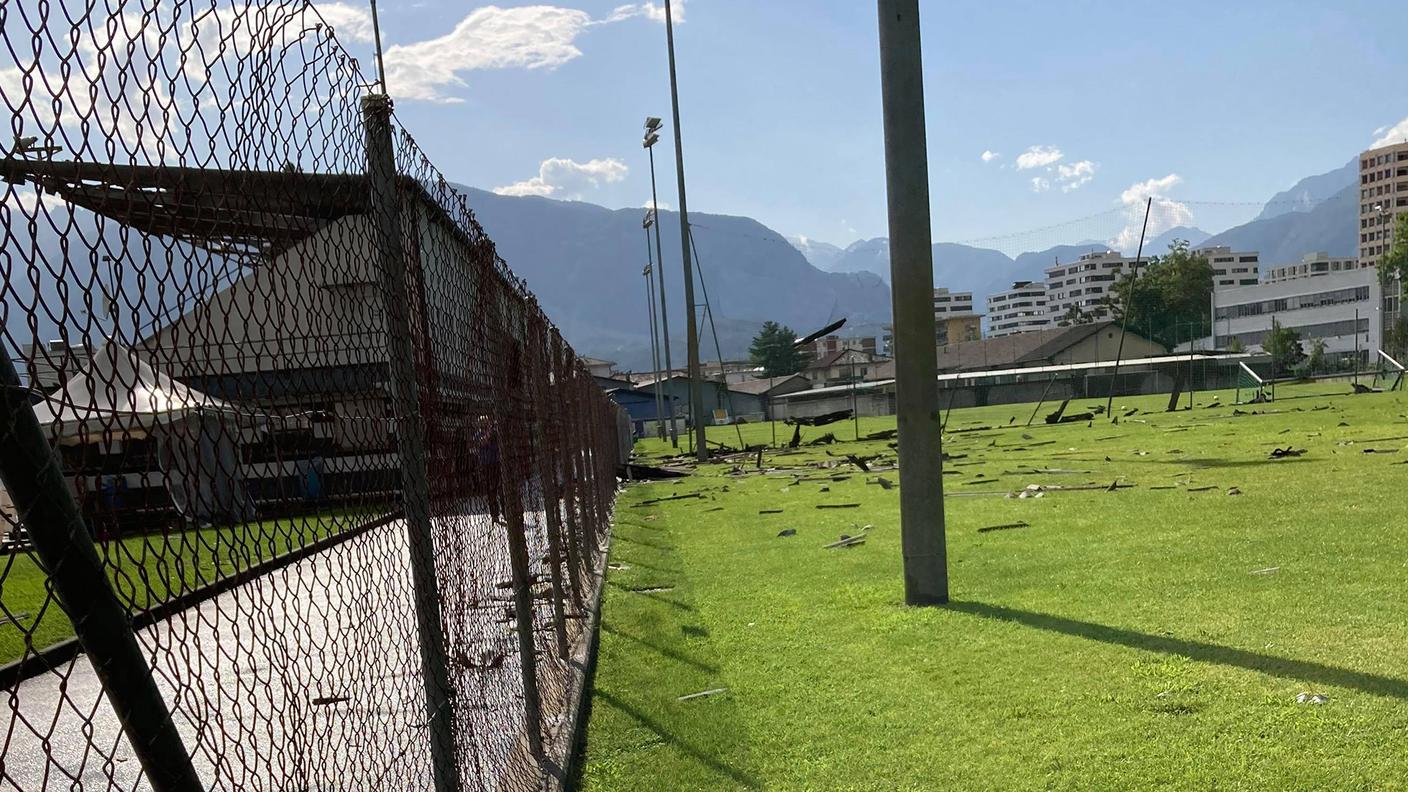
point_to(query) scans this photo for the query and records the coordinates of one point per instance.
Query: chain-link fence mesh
(275, 405)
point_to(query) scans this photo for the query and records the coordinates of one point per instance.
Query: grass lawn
(149, 569)
(1154, 636)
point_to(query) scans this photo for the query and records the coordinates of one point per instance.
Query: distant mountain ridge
(584, 263)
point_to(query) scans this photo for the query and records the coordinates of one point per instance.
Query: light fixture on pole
(652, 136)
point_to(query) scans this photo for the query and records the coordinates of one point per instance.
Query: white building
(1231, 268)
(1083, 284)
(948, 303)
(1340, 307)
(1018, 309)
(1312, 264)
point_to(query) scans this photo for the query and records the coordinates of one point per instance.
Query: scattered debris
(322, 701)
(824, 489)
(1288, 451)
(654, 501)
(887, 434)
(770, 511)
(1208, 488)
(826, 439)
(1358, 388)
(1316, 699)
(714, 509)
(787, 532)
(702, 694)
(1234, 491)
(1055, 417)
(1004, 527)
(651, 589)
(845, 541)
(1266, 571)
(838, 505)
(884, 483)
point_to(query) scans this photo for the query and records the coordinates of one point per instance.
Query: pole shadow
(1284, 667)
(651, 595)
(739, 777)
(673, 654)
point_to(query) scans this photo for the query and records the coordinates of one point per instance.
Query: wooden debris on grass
(702, 694)
(787, 532)
(1004, 527)
(845, 541)
(770, 511)
(654, 501)
(1265, 571)
(1207, 488)
(838, 505)
(1288, 451)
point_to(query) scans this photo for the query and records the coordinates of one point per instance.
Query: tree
(1169, 298)
(1396, 337)
(1316, 361)
(1395, 262)
(1235, 345)
(1283, 345)
(773, 350)
(1074, 315)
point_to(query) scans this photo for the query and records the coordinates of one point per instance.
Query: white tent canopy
(118, 396)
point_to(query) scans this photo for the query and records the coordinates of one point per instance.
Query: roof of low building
(763, 386)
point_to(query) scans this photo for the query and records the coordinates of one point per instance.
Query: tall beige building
(1383, 195)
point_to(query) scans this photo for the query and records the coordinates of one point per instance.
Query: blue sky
(1201, 101)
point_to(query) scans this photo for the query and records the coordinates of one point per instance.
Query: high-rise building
(1310, 265)
(1083, 284)
(1231, 268)
(1383, 195)
(1018, 309)
(947, 303)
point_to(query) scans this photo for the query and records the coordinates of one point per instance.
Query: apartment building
(949, 303)
(1084, 284)
(1313, 264)
(1340, 307)
(1383, 195)
(1231, 268)
(1017, 310)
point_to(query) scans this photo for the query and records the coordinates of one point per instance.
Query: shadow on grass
(663, 650)
(739, 777)
(1209, 462)
(643, 542)
(651, 595)
(1196, 650)
(631, 562)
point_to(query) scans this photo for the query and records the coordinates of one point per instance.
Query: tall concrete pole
(696, 397)
(912, 289)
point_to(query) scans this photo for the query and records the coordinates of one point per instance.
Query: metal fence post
(547, 484)
(32, 475)
(415, 489)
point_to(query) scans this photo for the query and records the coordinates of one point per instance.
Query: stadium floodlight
(649, 219)
(652, 124)
(651, 138)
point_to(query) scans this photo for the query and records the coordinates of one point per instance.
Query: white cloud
(989, 156)
(1040, 184)
(1038, 157)
(565, 178)
(652, 11)
(1075, 175)
(348, 21)
(1164, 212)
(1397, 133)
(531, 37)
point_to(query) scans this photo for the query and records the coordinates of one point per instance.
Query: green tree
(1074, 315)
(1168, 298)
(1316, 360)
(1396, 337)
(1283, 345)
(1235, 345)
(1394, 265)
(773, 350)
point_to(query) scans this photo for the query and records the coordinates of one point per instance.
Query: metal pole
(855, 414)
(664, 314)
(1119, 352)
(1356, 347)
(654, 338)
(35, 481)
(696, 398)
(415, 490)
(912, 279)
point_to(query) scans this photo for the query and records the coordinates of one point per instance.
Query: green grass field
(1152, 636)
(149, 569)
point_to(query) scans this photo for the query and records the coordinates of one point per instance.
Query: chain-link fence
(301, 488)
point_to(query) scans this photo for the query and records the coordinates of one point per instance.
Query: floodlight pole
(912, 290)
(1119, 353)
(660, 274)
(696, 397)
(654, 338)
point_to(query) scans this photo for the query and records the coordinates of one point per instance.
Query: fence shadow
(737, 776)
(666, 651)
(1284, 667)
